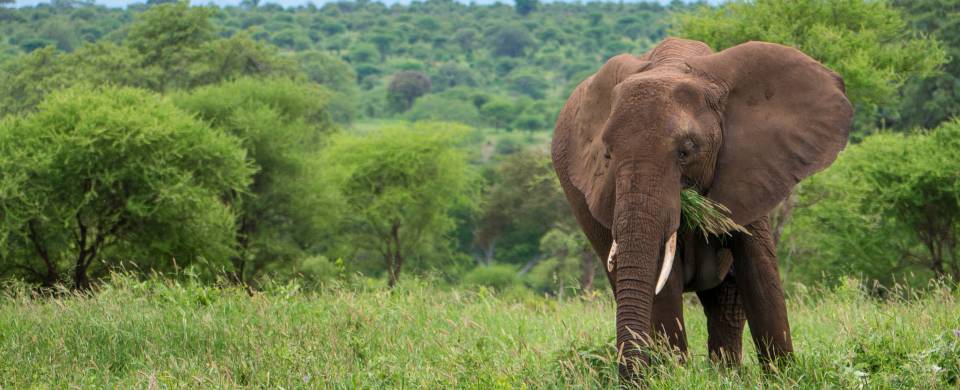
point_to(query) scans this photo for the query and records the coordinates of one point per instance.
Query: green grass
(141, 334)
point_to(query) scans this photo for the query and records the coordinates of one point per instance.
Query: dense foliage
(170, 47)
(928, 101)
(866, 42)
(280, 124)
(503, 54)
(326, 180)
(98, 177)
(889, 208)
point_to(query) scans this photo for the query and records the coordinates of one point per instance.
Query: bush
(497, 276)
(312, 271)
(451, 75)
(529, 122)
(363, 53)
(499, 112)
(560, 272)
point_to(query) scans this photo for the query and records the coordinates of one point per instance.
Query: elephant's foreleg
(755, 267)
(725, 321)
(667, 318)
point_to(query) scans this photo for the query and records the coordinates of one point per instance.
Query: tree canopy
(280, 124)
(398, 187)
(929, 100)
(888, 209)
(97, 177)
(867, 42)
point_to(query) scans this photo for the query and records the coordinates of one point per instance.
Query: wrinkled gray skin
(741, 126)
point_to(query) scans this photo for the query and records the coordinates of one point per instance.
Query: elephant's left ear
(785, 116)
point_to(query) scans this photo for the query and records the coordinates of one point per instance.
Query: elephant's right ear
(589, 166)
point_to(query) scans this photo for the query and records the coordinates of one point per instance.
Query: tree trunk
(81, 281)
(588, 270)
(488, 251)
(52, 276)
(244, 231)
(782, 214)
(395, 263)
(936, 255)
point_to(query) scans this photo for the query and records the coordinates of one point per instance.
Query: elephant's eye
(685, 150)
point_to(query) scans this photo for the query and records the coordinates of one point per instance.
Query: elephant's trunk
(641, 229)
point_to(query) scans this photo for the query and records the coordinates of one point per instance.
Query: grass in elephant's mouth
(135, 334)
(709, 217)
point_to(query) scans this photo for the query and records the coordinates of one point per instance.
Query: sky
(285, 3)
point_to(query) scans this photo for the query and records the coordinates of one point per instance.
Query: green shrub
(496, 276)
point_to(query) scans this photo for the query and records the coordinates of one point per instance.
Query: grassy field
(164, 334)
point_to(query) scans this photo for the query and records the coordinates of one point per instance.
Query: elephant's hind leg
(725, 321)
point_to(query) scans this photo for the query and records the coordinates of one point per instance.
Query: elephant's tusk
(668, 251)
(613, 251)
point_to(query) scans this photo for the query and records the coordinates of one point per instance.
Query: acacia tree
(499, 112)
(523, 202)
(280, 124)
(509, 40)
(398, 187)
(524, 7)
(168, 36)
(99, 176)
(405, 87)
(336, 75)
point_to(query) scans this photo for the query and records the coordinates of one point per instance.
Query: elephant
(742, 127)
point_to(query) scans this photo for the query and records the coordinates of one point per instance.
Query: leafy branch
(709, 217)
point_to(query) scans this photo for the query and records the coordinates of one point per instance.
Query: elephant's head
(742, 126)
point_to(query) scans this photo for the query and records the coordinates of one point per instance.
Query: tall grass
(163, 333)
